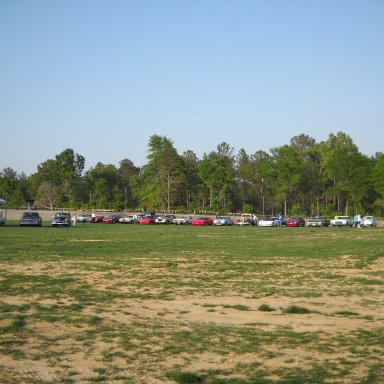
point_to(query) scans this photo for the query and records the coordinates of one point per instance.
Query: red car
(96, 219)
(295, 222)
(112, 219)
(147, 220)
(202, 221)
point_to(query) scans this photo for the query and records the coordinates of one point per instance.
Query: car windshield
(29, 215)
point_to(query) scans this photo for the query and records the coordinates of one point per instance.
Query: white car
(368, 221)
(342, 221)
(183, 220)
(268, 222)
(128, 219)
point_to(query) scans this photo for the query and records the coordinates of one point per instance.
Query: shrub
(186, 378)
(265, 308)
(296, 309)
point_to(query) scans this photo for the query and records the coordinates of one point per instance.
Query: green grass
(265, 308)
(179, 304)
(295, 309)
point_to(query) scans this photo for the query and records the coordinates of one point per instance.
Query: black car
(61, 219)
(30, 219)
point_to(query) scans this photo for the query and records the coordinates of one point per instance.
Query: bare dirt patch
(138, 320)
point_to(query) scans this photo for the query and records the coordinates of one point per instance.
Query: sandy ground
(56, 350)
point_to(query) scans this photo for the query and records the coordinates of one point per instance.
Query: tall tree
(192, 182)
(288, 168)
(246, 177)
(102, 181)
(377, 179)
(347, 168)
(70, 166)
(163, 175)
(303, 142)
(127, 171)
(13, 187)
(64, 173)
(309, 189)
(48, 195)
(216, 169)
(265, 179)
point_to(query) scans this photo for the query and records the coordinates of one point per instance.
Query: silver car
(183, 220)
(318, 221)
(165, 219)
(127, 219)
(84, 218)
(222, 221)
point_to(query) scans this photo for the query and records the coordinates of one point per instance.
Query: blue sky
(102, 76)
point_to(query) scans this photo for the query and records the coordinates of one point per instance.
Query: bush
(265, 308)
(186, 378)
(296, 309)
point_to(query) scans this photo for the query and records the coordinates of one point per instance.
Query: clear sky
(102, 76)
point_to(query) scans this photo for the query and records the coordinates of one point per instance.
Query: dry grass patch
(144, 309)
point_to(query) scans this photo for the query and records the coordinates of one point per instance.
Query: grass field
(181, 304)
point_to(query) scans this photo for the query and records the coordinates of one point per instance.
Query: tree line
(299, 178)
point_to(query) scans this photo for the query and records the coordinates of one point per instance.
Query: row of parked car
(317, 221)
(60, 219)
(246, 219)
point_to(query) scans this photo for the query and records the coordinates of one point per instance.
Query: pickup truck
(342, 221)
